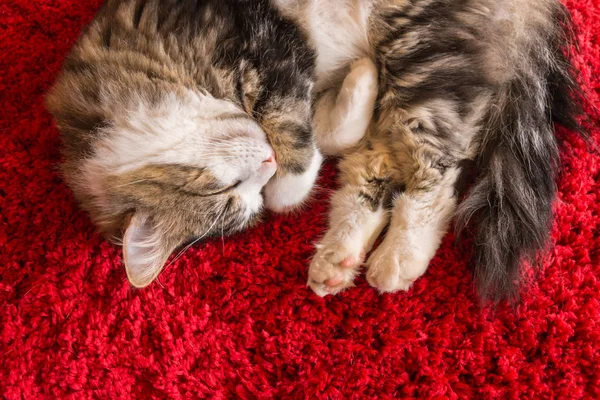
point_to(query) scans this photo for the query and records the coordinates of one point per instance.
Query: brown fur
(460, 82)
(143, 53)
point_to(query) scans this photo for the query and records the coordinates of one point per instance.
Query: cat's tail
(510, 205)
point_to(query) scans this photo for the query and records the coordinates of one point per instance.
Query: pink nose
(270, 159)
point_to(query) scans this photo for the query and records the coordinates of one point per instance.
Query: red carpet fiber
(233, 318)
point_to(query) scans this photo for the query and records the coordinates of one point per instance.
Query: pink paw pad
(332, 282)
(351, 262)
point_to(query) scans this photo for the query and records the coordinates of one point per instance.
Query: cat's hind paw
(333, 269)
(361, 81)
(287, 192)
(390, 269)
(342, 116)
(357, 98)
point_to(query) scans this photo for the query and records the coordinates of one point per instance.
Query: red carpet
(233, 318)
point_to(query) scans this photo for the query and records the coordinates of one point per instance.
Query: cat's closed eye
(222, 190)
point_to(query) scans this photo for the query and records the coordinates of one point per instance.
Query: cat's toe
(343, 254)
(330, 273)
(365, 67)
(362, 80)
(385, 272)
(330, 286)
(352, 261)
(388, 283)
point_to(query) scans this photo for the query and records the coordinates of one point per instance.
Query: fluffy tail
(510, 206)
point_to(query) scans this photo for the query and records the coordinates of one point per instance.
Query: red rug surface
(233, 318)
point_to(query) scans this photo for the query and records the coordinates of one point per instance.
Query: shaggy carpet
(233, 318)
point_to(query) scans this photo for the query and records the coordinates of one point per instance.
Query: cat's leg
(287, 123)
(420, 218)
(354, 227)
(342, 116)
(357, 217)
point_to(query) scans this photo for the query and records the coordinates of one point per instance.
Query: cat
(462, 85)
(182, 119)
(171, 112)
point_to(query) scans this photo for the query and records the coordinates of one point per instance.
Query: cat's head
(181, 119)
(170, 172)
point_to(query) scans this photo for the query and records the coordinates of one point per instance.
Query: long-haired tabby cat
(176, 114)
(460, 81)
(171, 109)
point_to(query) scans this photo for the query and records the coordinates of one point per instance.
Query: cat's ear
(145, 250)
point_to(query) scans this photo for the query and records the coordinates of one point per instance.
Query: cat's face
(186, 168)
(171, 115)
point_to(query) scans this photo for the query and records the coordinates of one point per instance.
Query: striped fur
(171, 112)
(461, 82)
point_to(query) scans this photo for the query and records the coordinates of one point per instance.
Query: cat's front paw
(392, 268)
(334, 267)
(286, 192)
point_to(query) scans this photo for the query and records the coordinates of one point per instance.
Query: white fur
(247, 190)
(343, 113)
(419, 222)
(287, 191)
(194, 130)
(353, 230)
(340, 121)
(341, 118)
(338, 30)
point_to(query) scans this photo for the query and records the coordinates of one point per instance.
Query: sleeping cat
(460, 82)
(179, 116)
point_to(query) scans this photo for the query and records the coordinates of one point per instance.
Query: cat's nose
(269, 166)
(270, 160)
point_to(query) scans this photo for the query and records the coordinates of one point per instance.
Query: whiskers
(222, 236)
(186, 248)
(130, 183)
